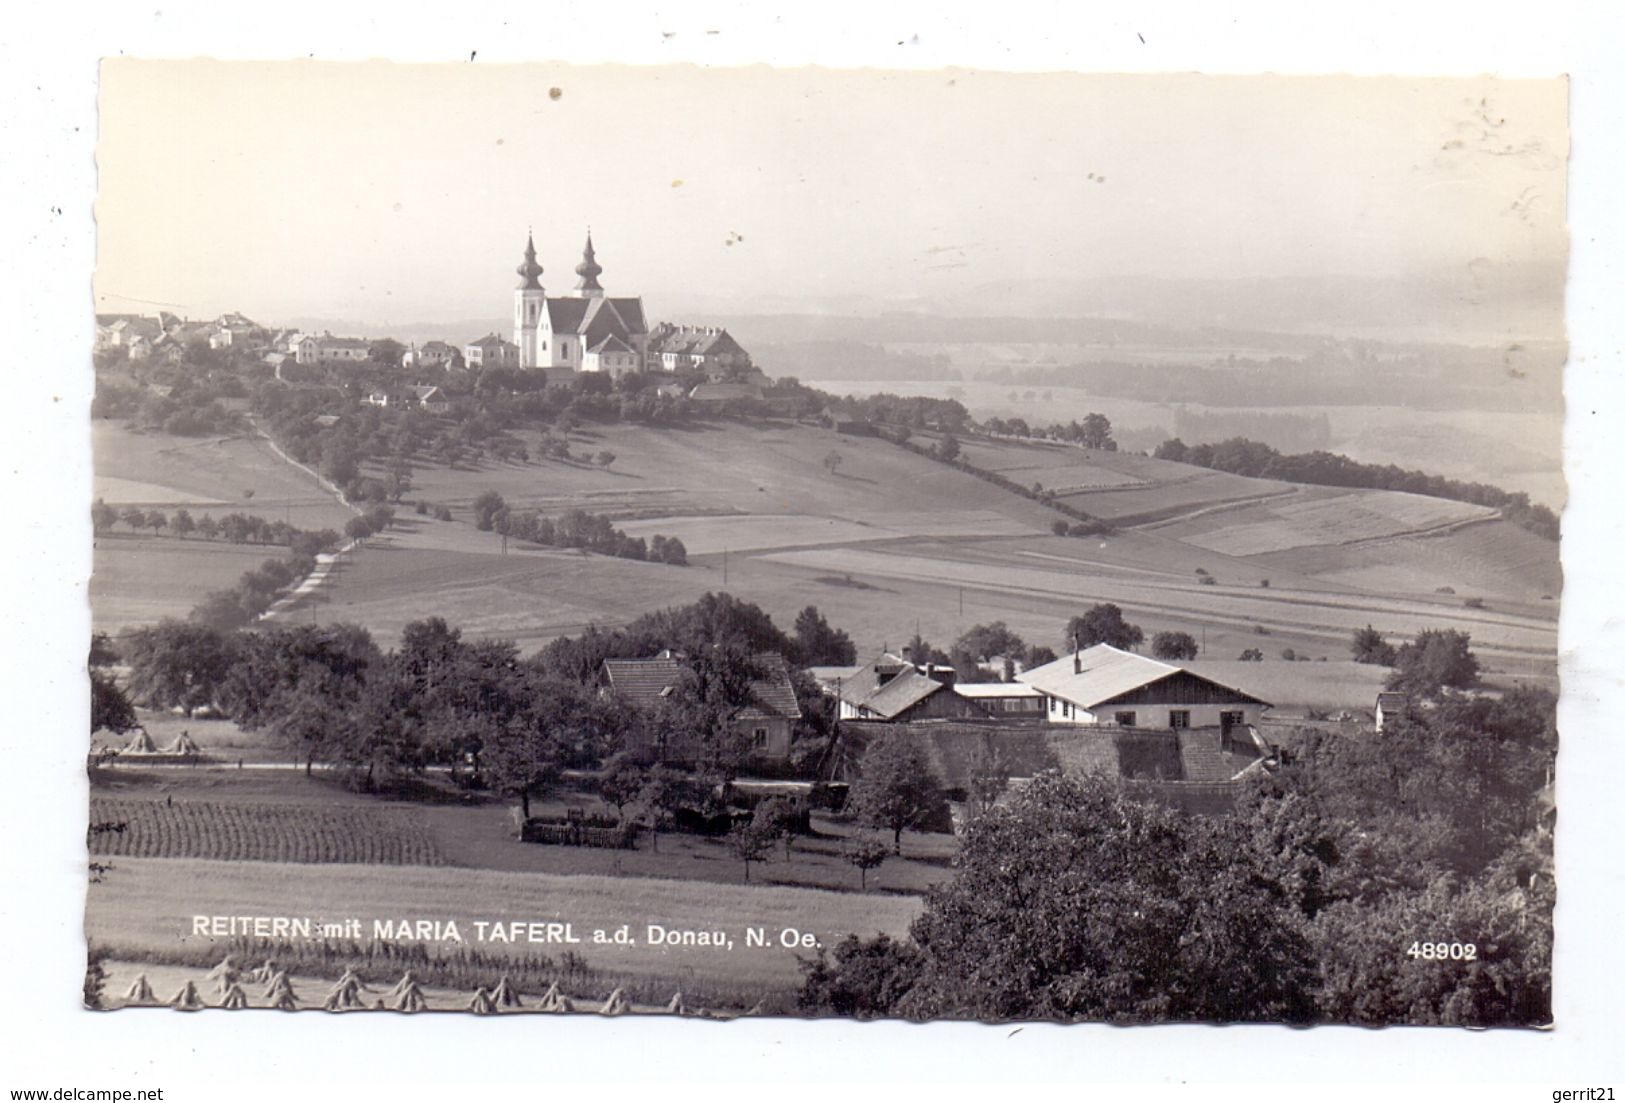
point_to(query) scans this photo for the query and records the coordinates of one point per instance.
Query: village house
(769, 718)
(893, 689)
(710, 349)
(125, 330)
(431, 399)
(491, 351)
(587, 332)
(432, 354)
(328, 349)
(1105, 685)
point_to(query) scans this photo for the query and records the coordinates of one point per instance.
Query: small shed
(1390, 706)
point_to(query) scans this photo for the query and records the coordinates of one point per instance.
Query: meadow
(145, 906)
(207, 475)
(141, 579)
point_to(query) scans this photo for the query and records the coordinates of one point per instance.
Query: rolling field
(1497, 559)
(892, 541)
(210, 474)
(1319, 516)
(142, 579)
(147, 904)
(1517, 450)
(768, 470)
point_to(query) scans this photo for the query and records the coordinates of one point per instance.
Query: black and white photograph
(911, 545)
(811, 548)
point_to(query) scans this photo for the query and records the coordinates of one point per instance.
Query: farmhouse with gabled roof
(768, 718)
(1105, 685)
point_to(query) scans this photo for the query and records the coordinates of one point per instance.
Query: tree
(664, 791)
(386, 351)
(832, 460)
(358, 529)
(1103, 623)
(989, 777)
(817, 644)
(303, 685)
(622, 782)
(109, 707)
(1058, 527)
(604, 458)
(861, 979)
(486, 507)
(752, 841)
(1174, 645)
(1039, 655)
(947, 448)
(183, 524)
(865, 852)
(1251, 655)
(177, 664)
(1370, 647)
(896, 788)
(987, 642)
(1097, 432)
(787, 819)
(1074, 902)
(134, 517)
(1438, 658)
(103, 517)
(921, 653)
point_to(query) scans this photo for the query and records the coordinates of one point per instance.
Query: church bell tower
(528, 303)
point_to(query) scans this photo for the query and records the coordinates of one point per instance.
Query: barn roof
(900, 694)
(1102, 673)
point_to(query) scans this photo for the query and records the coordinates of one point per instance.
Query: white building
(588, 331)
(1105, 685)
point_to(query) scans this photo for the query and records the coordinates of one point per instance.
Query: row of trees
(1249, 457)
(995, 646)
(1436, 660)
(574, 529)
(1073, 901)
(233, 528)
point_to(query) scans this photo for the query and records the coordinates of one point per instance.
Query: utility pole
(724, 566)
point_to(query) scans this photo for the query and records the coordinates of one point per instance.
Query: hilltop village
(558, 337)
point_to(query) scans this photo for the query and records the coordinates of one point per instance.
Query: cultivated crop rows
(259, 832)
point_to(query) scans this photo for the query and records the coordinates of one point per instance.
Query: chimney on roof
(1077, 659)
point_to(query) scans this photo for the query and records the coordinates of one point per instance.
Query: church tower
(528, 303)
(589, 271)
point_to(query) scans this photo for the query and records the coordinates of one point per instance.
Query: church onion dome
(589, 269)
(530, 272)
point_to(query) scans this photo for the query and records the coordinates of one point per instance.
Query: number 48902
(1443, 951)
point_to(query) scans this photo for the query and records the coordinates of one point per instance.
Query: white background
(47, 108)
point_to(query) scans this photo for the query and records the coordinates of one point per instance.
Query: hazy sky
(398, 193)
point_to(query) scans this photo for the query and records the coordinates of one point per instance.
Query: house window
(758, 738)
(1179, 718)
(1124, 719)
(1232, 719)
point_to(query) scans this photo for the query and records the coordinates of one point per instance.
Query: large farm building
(1105, 685)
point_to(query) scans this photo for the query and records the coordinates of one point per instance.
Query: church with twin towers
(590, 331)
